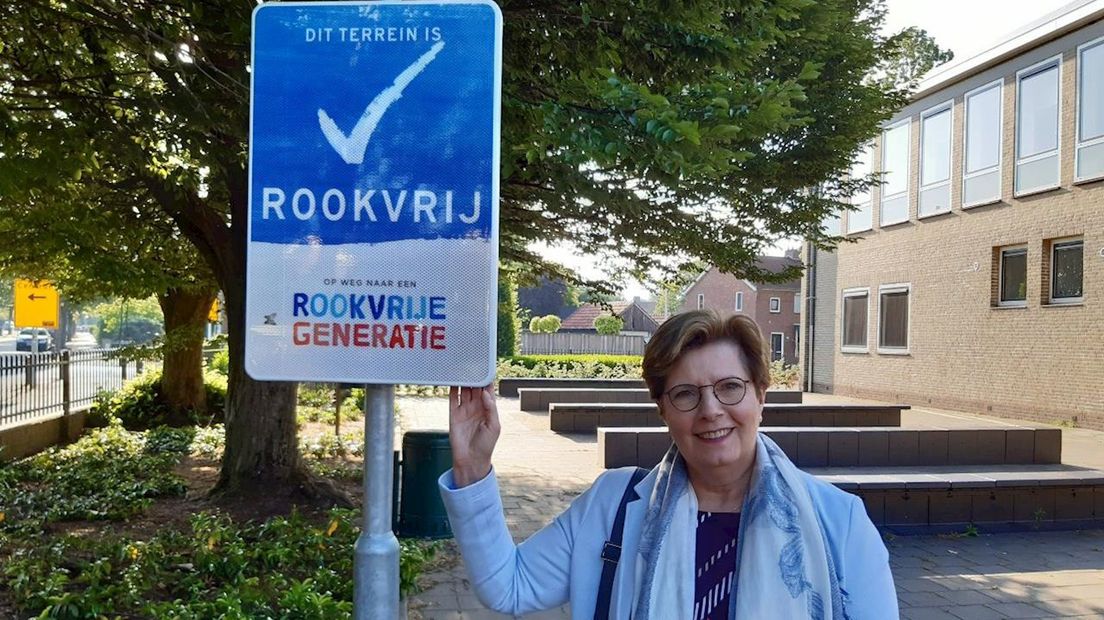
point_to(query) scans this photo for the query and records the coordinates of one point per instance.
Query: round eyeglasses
(728, 391)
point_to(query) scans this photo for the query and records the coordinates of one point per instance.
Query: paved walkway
(1031, 575)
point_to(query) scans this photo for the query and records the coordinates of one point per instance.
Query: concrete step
(810, 447)
(587, 417)
(538, 399)
(993, 498)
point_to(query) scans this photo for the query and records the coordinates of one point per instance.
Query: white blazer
(562, 563)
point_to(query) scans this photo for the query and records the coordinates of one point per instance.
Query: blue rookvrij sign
(373, 192)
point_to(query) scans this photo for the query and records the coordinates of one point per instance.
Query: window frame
(947, 106)
(775, 302)
(1054, 62)
(899, 287)
(739, 301)
(1077, 141)
(1014, 303)
(907, 194)
(999, 168)
(781, 350)
(797, 303)
(868, 203)
(854, 292)
(1066, 241)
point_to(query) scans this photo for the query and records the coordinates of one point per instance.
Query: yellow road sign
(212, 314)
(36, 304)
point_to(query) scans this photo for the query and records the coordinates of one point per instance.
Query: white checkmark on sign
(351, 148)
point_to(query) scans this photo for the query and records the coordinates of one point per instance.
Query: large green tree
(639, 129)
(85, 234)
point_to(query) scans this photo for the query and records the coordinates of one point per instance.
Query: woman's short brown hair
(690, 330)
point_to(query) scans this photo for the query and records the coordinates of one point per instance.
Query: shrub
(547, 324)
(608, 325)
(783, 375)
(220, 363)
(140, 405)
(107, 474)
(571, 366)
(285, 567)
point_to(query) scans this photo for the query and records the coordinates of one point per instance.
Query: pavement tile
(975, 612)
(928, 613)
(1019, 610)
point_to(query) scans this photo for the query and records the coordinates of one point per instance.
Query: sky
(966, 27)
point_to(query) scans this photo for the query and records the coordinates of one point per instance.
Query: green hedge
(612, 361)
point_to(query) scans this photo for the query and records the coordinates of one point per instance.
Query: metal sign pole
(376, 560)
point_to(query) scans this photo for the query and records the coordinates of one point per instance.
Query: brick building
(978, 282)
(774, 307)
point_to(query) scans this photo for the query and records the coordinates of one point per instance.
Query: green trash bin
(425, 456)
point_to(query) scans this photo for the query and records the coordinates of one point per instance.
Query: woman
(724, 527)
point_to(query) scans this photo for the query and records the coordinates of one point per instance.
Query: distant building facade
(776, 308)
(977, 281)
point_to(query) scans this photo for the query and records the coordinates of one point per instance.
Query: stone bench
(508, 386)
(861, 447)
(538, 399)
(992, 498)
(587, 417)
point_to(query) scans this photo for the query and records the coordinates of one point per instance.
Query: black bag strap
(611, 551)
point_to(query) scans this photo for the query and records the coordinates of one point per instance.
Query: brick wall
(1041, 362)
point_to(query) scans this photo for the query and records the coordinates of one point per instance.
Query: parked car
(25, 341)
(6, 327)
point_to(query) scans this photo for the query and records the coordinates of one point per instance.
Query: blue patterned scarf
(783, 569)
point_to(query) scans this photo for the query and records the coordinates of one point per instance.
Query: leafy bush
(140, 405)
(783, 375)
(608, 325)
(286, 567)
(547, 324)
(107, 474)
(571, 366)
(220, 363)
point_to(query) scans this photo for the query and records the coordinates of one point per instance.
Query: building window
(797, 304)
(935, 160)
(1037, 138)
(1012, 278)
(1067, 261)
(740, 301)
(893, 318)
(895, 174)
(777, 343)
(863, 217)
(1090, 111)
(981, 178)
(832, 224)
(775, 305)
(855, 311)
(701, 301)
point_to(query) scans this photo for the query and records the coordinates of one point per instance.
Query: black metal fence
(34, 385)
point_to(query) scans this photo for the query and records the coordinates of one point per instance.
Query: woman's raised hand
(473, 432)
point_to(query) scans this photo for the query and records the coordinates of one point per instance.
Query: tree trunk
(182, 376)
(262, 456)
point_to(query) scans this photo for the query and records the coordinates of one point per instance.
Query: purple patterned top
(715, 561)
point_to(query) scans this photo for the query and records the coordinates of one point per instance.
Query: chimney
(794, 253)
